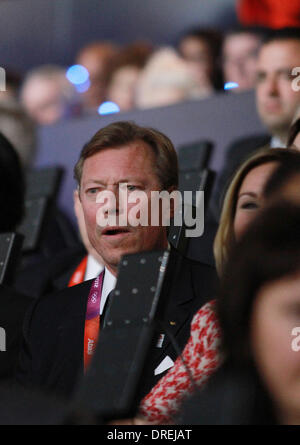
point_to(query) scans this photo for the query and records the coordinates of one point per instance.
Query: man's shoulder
(64, 303)
(12, 296)
(197, 264)
(13, 306)
(248, 144)
(202, 274)
(50, 272)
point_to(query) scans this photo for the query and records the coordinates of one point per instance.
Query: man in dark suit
(13, 306)
(120, 157)
(277, 99)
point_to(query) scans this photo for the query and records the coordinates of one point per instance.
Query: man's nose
(272, 86)
(112, 206)
(118, 205)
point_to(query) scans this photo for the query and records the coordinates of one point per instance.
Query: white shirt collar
(109, 283)
(93, 268)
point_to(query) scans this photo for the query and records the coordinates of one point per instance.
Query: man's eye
(92, 191)
(260, 77)
(293, 310)
(131, 187)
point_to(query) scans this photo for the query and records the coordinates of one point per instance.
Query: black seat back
(42, 187)
(194, 156)
(10, 249)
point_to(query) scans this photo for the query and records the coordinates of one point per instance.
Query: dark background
(34, 32)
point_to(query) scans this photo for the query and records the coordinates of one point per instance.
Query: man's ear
(76, 201)
(174, 202)
(76, 194)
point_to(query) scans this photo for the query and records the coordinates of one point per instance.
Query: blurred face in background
(122, 87)
(250, 197)
(43, 101)
(95, 58)
(240, 60)
(276, 100)
(275, 344)
(197, 54)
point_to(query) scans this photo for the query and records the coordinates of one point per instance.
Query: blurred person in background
(96, 58)
(12, 305)
(47, 96)
(165, 80)
(123, 74)
(13, 82)
(201, 49)
(276, 103)
(258, 309)
(240, 52)
(20, 130)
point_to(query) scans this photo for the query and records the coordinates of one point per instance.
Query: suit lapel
(178, 313)
(74, 323)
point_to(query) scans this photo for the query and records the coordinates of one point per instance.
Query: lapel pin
(160, 340)
(173, 323)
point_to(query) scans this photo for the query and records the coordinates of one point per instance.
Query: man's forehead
(281, 50)
(136, 149)
(135, 159)
(236, 39)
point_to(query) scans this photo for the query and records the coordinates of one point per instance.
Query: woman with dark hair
(11, 187)
(12, 305)
(258, 309)
(201, 49)
(284, 183)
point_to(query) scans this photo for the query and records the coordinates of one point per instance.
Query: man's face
(43, 101)
(276, 100)
(132, 164)
(197, 54)
(240, 60)
(95, 61)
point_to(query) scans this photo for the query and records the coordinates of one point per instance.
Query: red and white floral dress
(201, 356)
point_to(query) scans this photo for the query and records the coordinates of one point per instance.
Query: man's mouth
(272, 107)
(115, 231)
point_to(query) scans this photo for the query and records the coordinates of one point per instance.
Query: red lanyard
(92, 320)
(78, 275)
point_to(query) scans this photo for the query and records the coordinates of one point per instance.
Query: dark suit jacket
(13, 307)
(52, 353)
(49, 274)
(236, 154)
